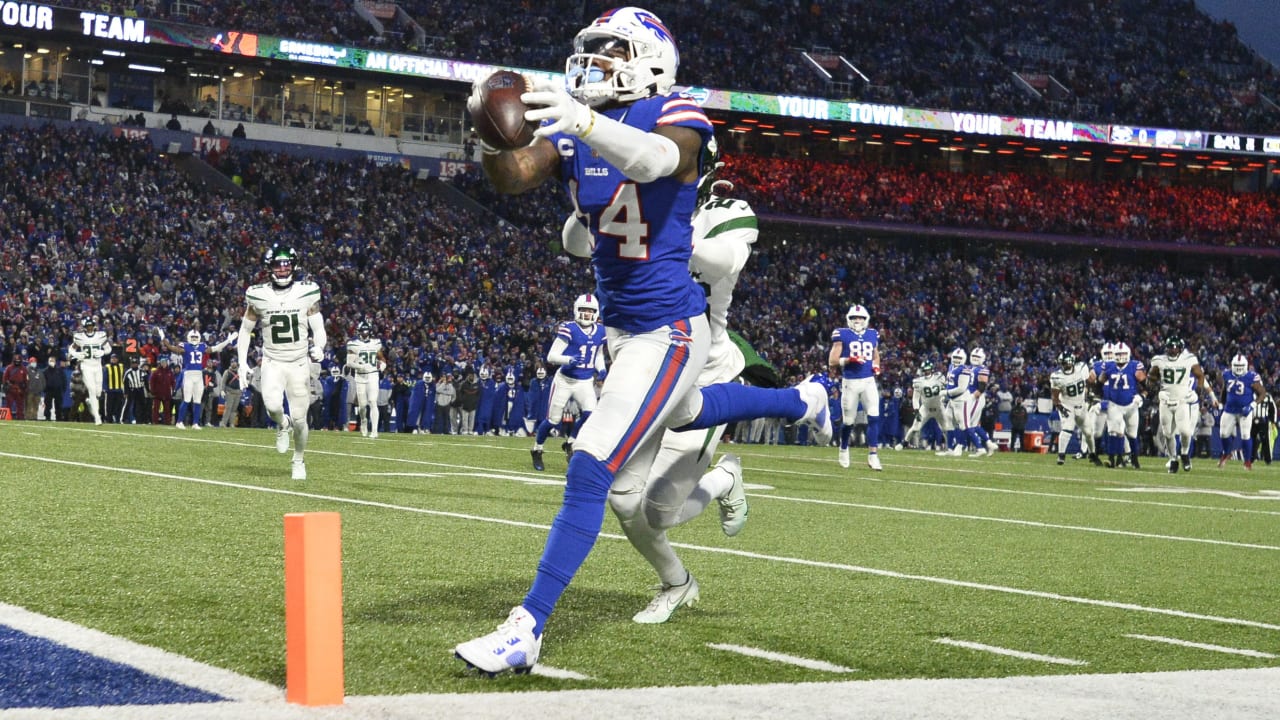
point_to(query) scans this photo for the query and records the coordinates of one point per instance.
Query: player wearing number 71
(289, 310)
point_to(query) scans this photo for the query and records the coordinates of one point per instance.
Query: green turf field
(934, 568)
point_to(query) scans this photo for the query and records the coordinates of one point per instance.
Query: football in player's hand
(500, 120)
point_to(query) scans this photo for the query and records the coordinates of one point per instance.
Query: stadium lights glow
(237, 74)
(43, 51)
(113, 53)
(146, 68)
(97, 61)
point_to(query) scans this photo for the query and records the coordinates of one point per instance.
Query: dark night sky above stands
(1256, 21)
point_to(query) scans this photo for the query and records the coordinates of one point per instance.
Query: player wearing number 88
(855, 355)
(289, 310)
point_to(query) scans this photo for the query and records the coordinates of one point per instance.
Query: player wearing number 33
(855, 354)
(289, 310)
(629, 153)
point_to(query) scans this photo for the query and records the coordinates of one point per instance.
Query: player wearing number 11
(289, 309)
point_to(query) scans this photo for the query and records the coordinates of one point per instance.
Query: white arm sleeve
(227, 341)
(576, 238)
(721, 256)
(600, 362)
(242, 342)
(318, 336)
(556, 355)
(106, 349)
(641, 156)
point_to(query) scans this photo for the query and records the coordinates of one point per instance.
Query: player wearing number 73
(289, 309)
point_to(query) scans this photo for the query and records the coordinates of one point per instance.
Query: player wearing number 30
(366, 358)
(289, 310)
(1177, 373)
(855, 354)
(579, 351)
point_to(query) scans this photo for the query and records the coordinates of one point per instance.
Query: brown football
(500, 122)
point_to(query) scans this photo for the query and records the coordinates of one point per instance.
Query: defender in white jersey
(367, 360)
(90, 346)
(1070, 387)
(926, 401)
(289, 310)
(1175, 375)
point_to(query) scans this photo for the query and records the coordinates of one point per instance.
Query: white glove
(160, 332)
(382, 367)
(473, 100)
(317, 353)
(552, 102)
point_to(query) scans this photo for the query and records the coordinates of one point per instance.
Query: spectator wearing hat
(55, 386)
(35, 388)
(161, 384)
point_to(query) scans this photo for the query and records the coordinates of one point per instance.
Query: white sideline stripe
(1028, 523)
(701, 548)
(1205, 646)
(782, 658)
(1011, 653)
(557, 673)
(150, 660)
(1089, 498)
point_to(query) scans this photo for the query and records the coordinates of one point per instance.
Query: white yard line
(153, 661)
(782, 658)
(1205, 646)
(1010, 653)
(701, 548)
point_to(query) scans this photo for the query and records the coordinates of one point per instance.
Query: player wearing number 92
(629, 152)
(289, 309)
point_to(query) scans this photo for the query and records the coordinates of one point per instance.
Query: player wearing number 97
(289, 310)
(855, 354)
(579, 351)
(1176, 374)
(629, 152)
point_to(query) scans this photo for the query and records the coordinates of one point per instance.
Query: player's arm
(1203, 382)
(248, 322)
(724, 254)
(835, 360)
(875, 360)
(1259, 392)
(520, 170)
(558, 354)
(225, 342)
(319, 338)
(1057, 400)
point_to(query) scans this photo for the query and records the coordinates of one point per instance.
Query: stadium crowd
(102, 226)
(1160, 63)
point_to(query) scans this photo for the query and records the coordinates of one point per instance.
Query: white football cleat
(180, 426)
(898, 446)
(816, 414)
(373, 435)
(511, 648)
(843, 457)
(979, 453)
(733, 506)
(668, 599)
(284, 434)
(299, 470)
(873, 461)
(992, 447)
(195, 427)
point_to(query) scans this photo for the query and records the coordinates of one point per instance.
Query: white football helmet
(1108, 352)
(542, 373)
(511, 377)
(427, 377)
(484, 372)
(193, 336)
(959, 357)
(586, 309)
(858, 318)
(595, 75)
(1122, 354)
(1239, 364)
(977, 356)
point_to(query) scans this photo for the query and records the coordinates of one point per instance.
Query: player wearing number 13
(855, 354)
(289, 309)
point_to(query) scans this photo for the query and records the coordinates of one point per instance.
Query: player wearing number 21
(289, 309)
(629, 152)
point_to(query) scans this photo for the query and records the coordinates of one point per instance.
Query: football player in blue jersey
(956, 388)
(579, 351)
(1122, 378)
(629, 152)
(1240, 386)
(194, 354)
(975, 400)
(855, 356)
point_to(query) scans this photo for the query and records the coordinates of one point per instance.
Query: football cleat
(373, 435)
(898, 446)
(733, 506)
(283, 434)
(1248, 464)
(816, 414)
(511, 648)
(1186, 463)
(180, 426)
(980, 452)
(1222, 462)
(1173, 466)
(843, 457)
(873, 461)
(668, 599)
(537, 460)
(195, 427)
(299, 470)
(992, 447)
(1062, 458)
(567, 447)
(1133, 462)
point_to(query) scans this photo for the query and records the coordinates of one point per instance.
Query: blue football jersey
(956, 375)
(1122, 382)
(583, 346)
(193, 355)
(977, 373)
(1239, 391)
(643, 232)
(859, 345)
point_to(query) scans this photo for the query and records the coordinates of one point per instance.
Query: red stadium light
(1004, 151)
(790, 133)
(820, 131)
(908, 143)
(1168, 164)
(1140, 157)
(1032, 149)
(1115, 160)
